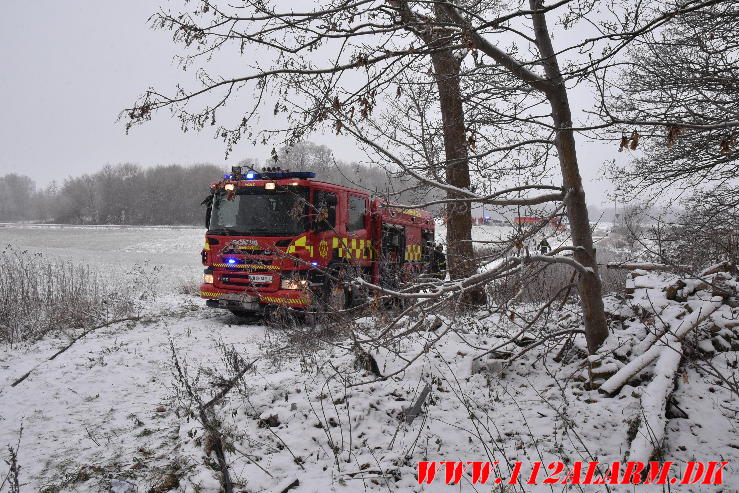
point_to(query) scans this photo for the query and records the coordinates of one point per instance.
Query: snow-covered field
(109, 414)
(116, 249)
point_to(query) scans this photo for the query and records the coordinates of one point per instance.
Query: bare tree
(678, 91)
(500, 84)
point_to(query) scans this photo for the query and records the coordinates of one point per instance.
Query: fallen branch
(229, 385)
(60, 351)
(205, 420)
(533, 321)
(112, 322)
(285, 485)
(542, 341)
(649, 266)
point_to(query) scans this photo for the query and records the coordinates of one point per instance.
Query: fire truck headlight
(207, 278)
(229, 187)
(269, 186)
(293, 284)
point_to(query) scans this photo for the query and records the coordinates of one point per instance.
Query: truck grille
(249, 251)
(249, 264)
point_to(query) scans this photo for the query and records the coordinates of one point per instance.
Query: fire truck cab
(279, 238)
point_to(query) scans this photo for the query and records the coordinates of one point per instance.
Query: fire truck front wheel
(336, 297)
(336, 293)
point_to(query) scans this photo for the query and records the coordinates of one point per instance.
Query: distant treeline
(132, 194)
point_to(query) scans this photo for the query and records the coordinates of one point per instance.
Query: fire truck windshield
(252, 211)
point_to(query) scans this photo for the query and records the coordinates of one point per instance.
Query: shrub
(39, 295)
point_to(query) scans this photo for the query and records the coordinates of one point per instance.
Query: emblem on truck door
(323, 248)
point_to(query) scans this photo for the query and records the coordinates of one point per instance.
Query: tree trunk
(460, 252)
(589, 285)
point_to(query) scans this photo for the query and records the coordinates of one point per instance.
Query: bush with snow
(39, 295)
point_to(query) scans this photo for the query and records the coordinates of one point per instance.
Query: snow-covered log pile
(664, 319)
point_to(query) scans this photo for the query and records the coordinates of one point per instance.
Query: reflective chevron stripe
(353, 248)
(248, 266)
(300, 243)
(208, 294)
(293, 301)
(413, 253)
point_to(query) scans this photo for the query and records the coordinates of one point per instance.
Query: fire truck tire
(337, 295)
(246, 316)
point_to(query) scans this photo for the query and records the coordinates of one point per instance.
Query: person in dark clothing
(438, 262)
(544, 247)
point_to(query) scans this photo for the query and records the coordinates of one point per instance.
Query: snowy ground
(109, 415)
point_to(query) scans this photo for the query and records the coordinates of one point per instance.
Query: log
(654, 404)
(676, 331)
(649, 266)
(725, 266)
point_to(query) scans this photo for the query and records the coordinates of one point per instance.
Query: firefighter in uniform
(544, 247)
(438, 262)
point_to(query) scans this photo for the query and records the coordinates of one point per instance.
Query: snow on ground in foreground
(106, 411)
(104, 403)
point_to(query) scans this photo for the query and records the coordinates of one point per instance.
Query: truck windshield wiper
(269, 232)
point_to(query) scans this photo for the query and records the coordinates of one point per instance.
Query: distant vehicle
(278, 238)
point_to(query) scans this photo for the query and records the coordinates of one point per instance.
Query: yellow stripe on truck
(208, 294)
(294, 301)
(413, 253)
(300, 243)
(354, 248)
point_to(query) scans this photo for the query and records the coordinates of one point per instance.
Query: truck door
(324, 223)
(359, 250)
(392, 255)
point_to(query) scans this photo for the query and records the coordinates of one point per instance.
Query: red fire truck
(279, 238)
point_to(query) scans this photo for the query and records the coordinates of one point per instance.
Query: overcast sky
(69, 67)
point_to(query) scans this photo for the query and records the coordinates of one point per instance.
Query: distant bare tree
(16, 197)
(706, 233)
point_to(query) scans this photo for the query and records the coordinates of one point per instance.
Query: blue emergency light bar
(271, 175)
(278, 175)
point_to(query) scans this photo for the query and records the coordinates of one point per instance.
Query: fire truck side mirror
(208, 203)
